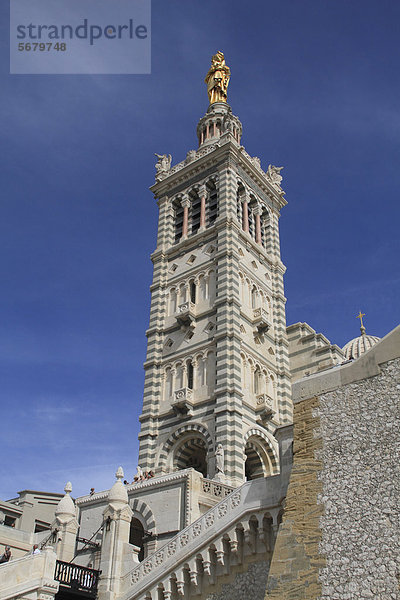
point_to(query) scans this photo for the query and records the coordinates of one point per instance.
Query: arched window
(254, 465)
(182, 294)
(254, 297)
(192, 453)
(195, 212)
(193, 292)
(202, 288)
(179, 377)
(265, 227)
(190, 375)
(257, 381)
(239, 205)
(178, 210)
(212, 209)
(136, 536)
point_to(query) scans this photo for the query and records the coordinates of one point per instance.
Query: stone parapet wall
(29, 578)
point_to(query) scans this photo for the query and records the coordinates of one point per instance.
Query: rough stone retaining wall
(361, 488)
(339, 539)
(250, 585)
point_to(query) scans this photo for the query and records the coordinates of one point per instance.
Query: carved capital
(202, 190)
(185, 201)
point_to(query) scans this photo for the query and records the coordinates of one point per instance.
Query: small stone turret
(67, 526)
(117, 519)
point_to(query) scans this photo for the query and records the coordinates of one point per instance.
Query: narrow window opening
(190, 375)
(212, 205)
(196, 203)
(178, 222)
(193, 292)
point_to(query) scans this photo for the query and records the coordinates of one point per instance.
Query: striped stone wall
(226, 415)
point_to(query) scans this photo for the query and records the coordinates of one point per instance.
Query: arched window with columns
(195, 210)
(265, 228)
(178, 218)
(212, 208)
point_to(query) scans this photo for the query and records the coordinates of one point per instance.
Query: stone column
(115, 545)
(185, 225)
(67, 526)
(203, 196)
(245, 216)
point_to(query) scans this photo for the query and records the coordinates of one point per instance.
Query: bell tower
(217, 381)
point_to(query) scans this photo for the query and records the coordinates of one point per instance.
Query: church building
(255, 437)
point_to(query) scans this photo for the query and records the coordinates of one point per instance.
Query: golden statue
(217, 79)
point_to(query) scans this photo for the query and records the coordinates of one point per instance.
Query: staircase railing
(251, 496)
(77, 578)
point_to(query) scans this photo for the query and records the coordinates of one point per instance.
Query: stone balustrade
(182, 404)
(261, 319)
(242, 523)
(215, 489)
(185, 315)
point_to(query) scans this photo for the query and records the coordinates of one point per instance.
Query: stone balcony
(185, 315)
(182, 404)
(261, 320)
(264, 407)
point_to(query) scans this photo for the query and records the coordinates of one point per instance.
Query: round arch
(143, 513)
(261, 454)
(179, 442)
(191, 452)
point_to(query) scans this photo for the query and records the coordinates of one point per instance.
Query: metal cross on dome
(360, 316)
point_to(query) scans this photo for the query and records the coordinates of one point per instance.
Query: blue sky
(316, 86)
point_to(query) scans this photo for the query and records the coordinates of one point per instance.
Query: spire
(360, 316)
(217, 79)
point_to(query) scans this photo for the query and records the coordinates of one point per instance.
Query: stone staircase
(237, 530)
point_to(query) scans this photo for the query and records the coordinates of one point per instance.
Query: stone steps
(221, 542)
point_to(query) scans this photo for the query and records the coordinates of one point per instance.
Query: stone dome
(118, 493)
(66, 505)
(359, 345)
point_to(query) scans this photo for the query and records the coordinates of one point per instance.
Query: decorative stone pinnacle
(68, 487)
(119, 474)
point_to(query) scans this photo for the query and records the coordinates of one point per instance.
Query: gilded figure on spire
(217, 79)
